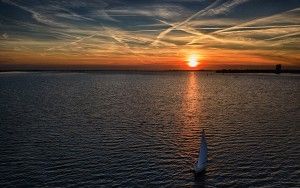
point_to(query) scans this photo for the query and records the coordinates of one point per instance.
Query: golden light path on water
(191, 112)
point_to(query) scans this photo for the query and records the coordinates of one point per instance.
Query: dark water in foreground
(138, 129)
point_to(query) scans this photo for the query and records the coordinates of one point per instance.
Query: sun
(193, 60)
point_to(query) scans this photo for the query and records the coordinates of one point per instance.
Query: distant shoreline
(296, 71)
(291, 71)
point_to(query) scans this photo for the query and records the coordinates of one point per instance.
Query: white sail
(202, 159)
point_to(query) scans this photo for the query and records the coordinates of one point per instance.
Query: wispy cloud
(73, 42)
(163, 33)
(215, 8)
(151, 31)
(5, 35)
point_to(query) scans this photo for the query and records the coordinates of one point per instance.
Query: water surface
(142, 129)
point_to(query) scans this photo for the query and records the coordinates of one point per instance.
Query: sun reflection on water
(191, 111)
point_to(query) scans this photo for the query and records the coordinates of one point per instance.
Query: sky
(149, 34)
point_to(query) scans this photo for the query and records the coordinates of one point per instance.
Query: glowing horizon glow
(193, 60)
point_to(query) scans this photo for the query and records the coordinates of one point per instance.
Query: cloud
(73, 42)
(224, 8)
(281, 19)
(101, 14)
(212, 9)
(163, 33)
(283, 36)
(5, 35)
(116, 29)
(259, 31)
(167, 11)
(36, 15)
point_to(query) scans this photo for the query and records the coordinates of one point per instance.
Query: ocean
(142, 129)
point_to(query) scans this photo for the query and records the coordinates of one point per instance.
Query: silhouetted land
(278, 69)
(256, 71)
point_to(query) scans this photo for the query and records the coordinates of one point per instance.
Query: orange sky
(148, 35)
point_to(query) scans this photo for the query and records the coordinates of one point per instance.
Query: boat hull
(200, 168)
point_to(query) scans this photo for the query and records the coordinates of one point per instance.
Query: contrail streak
(245, 25)
(71, 43)
(191, 30)
(162, 34)
(251, 22)
(283, 36)
(124, 44)
(222, 8)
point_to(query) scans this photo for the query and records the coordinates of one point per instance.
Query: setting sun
(193, 61)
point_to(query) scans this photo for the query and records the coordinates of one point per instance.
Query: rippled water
(138, 129)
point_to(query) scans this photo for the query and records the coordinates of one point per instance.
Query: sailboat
(202, 159)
